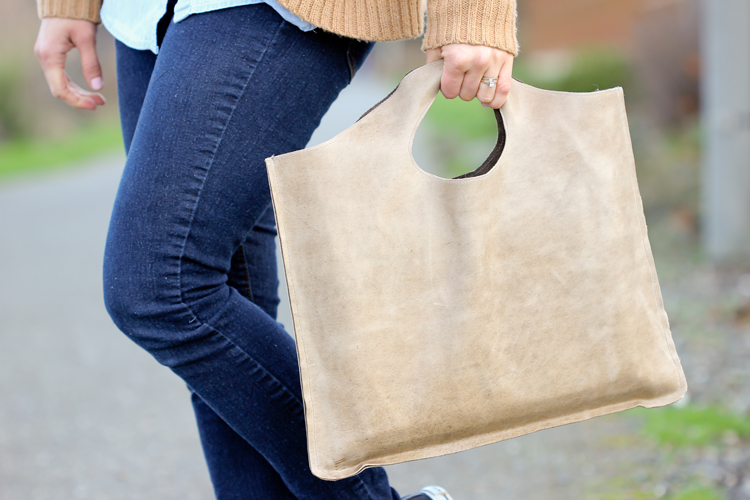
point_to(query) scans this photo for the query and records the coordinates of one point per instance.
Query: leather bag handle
(408, 103)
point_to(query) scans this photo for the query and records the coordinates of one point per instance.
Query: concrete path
(85, 414)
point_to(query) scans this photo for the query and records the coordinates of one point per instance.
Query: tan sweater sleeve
(477, 22)
(71, 9)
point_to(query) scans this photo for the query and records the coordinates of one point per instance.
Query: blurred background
(84, 414)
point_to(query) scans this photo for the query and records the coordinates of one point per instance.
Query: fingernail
(485, 105)
(96, 83)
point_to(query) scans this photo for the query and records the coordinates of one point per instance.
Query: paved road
(85, 414)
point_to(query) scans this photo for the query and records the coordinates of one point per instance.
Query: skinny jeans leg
(228, 89)
(237, 470)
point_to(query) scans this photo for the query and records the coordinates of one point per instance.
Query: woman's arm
(87, 10)
(56, 37)
(67, 24)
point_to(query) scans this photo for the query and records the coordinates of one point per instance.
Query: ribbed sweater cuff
(70, 9)
(477, 22)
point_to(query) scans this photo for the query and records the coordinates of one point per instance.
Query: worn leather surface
(435, 315)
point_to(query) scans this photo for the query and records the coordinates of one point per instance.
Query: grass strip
(699, 494)
(468, 120)
(18, 157)
(692, 425)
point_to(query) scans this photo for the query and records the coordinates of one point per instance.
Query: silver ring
(490, 82)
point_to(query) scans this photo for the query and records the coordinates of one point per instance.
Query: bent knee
(145, 308)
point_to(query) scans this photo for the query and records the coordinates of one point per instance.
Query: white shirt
(133, 22)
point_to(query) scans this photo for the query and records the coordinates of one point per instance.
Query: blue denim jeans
(190, 270)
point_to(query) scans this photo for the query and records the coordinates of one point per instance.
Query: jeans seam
(247, 274)
(360, 482)
(210, 165)
(255, 361)
(192, 218)
(361, 486)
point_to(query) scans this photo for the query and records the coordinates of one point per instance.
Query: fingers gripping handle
(399, 113)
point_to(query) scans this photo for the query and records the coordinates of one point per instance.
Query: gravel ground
(85, 414)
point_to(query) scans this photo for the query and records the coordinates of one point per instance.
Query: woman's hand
(466, 65)
(56, 37)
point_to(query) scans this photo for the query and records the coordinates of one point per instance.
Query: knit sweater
(478, 22)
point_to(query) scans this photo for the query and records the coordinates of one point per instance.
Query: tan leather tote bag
(435, 315)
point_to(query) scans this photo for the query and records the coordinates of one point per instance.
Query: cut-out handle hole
(456, 136)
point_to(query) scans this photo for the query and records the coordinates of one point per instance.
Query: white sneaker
(429, 493)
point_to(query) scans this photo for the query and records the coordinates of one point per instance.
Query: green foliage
(590, 69)
(462, 133)
(24, 155)
(699, 494)
(693, 426)
(669, 166)
(464, 120)
(12, 124)
(621, 493)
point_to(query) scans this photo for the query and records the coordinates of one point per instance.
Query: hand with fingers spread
(474, 71)
(57, 36)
